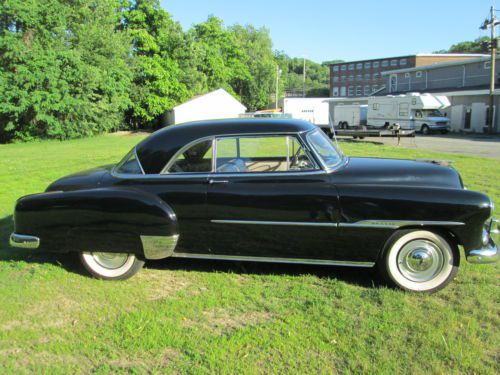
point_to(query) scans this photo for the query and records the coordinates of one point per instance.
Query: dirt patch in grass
(38, 361)
(163, 284)
(220, 321)
(54, 313)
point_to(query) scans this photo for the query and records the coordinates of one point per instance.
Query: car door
(268, 198)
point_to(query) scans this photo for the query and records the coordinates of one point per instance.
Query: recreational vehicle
(420, 112)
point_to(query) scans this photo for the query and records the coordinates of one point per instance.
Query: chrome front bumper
(489, 252)
(24, 241)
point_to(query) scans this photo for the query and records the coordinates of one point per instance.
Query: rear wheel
(419, 261)
(111, 266)
(425, 130)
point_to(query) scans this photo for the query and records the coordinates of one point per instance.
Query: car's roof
(156, 150)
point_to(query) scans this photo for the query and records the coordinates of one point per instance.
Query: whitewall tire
(419, 261)
(111, 266)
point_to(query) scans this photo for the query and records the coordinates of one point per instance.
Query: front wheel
(425, 130)
(111, 266)
(419, 261)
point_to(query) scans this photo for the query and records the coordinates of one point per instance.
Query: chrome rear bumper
(24, 241)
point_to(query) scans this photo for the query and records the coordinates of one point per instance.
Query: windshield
(324, 148)
(428, 113)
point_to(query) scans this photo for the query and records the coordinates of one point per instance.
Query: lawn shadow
(68, 261)
(364, 277)
(364, 140)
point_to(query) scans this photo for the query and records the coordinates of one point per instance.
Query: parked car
(265, 190)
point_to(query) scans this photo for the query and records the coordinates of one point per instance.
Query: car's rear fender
(105, 219)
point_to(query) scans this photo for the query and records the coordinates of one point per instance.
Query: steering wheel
(298, 162)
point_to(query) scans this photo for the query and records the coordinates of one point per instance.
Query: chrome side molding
(325, 262)
(394, 224)
(385, 224)
(24, 241)
(159, 247)
(254, 222)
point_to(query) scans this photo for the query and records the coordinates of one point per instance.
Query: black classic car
(266, 190)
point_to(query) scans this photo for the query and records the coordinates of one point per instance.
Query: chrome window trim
(343, 160)
(179, 152)
(138, 160)
(317, 166)
(325, 262)
(114, 170)
(207, 175)
(300, 136)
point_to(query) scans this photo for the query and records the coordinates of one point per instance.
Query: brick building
(364, 77)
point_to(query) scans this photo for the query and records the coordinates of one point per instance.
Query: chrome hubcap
(110, 260)
(420, 260)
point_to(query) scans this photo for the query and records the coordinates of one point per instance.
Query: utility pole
(278, 73)
(304, 85)
(491, 23)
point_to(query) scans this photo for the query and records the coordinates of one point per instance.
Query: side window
(130, 164)
(261, 155)
(403, 109)
(196, 159)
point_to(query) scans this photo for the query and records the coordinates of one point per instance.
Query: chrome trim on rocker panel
(296, 223)
(273, 260)
(24, 241)
(159, 247)
(394, 224)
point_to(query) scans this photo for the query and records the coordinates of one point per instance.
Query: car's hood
(81, 180)
(375, 171)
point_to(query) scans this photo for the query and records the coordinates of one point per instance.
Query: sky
(323, 30)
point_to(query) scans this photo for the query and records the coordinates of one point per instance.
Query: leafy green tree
(156, 87)
(479, 45)
(63, 70)
(218, 55)
(317, 75)
(256, 87)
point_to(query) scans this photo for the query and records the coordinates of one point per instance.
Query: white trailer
(349, 115)
(314, 110)
(419, 112)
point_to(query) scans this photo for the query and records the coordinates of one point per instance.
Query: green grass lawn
(189, 316)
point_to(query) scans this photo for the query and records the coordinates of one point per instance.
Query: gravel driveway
(477, 145)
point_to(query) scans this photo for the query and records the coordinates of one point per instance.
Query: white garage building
(217, 104)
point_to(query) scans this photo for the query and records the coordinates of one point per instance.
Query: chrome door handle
(212, 181)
